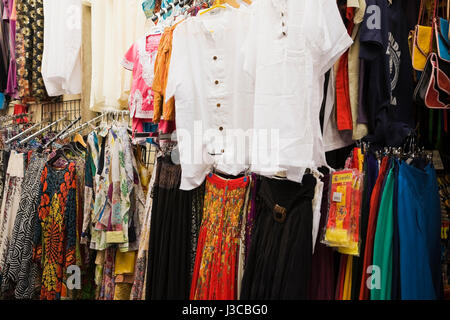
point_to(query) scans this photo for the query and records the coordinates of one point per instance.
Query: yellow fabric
(115, 237)
(124, 263)
(347, 292)
(122, 291)
(422, 38)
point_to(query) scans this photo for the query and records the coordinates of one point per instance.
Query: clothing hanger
(217, 4)
(79, 139)
(232, 3)
(59, 153)
(48, 144)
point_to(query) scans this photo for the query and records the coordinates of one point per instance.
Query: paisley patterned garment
(140, 272)
(29, 48)
(57, 217)
(215, 269)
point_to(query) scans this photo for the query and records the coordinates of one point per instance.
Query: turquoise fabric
(383, 244)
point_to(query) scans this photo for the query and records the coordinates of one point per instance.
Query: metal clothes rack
(22, 133)
(42, 130)
(48, 144)
(79, 128)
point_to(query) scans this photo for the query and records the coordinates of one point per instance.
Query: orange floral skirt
(215, 270)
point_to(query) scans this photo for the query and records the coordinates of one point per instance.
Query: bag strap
(421, 12)
(448, 10)
(433, 24)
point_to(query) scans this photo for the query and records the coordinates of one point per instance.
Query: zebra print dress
(19, 272)
(10, 203)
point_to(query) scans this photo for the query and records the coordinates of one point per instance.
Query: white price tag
(337, 197)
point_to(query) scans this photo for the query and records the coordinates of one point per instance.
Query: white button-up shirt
(290, 46)
(213, 96)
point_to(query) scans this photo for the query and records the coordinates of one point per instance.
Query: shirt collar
(280, 5)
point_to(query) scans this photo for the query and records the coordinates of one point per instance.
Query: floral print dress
(55, 241)
(215, 270)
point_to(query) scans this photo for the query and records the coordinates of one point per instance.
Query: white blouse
(214, 97)
(290, 46)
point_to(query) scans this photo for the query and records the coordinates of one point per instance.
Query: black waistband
(281, 196)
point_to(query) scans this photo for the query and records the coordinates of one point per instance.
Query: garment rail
(42, 130)
(79, 128)
(23, 133)
(48, 144)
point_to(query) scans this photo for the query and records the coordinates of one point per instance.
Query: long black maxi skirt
(171, 235)
(279, 262)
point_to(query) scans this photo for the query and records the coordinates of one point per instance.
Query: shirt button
(284, 33)
(222, 151)
(216, 82)
(215, 57)
(221, 128)
(218, 105)
(283, 24)
(282, 14)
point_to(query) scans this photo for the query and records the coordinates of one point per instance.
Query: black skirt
(279, 261)
(171, 232)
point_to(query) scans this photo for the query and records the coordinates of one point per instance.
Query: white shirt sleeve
(327, 33)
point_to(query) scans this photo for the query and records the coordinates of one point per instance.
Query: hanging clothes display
(242, 150)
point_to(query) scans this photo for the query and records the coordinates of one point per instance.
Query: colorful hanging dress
(57, 232)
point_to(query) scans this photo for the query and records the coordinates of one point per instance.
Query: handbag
(441, 27)
(423, 38)
(433, 88)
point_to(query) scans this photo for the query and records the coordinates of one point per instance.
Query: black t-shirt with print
(388, 72)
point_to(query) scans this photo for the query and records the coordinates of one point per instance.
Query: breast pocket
(282, 88)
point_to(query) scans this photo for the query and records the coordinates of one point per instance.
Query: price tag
(337, 197)
(437, 160)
